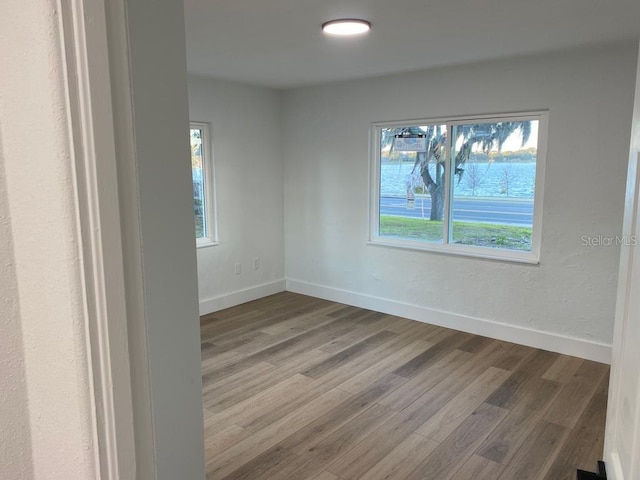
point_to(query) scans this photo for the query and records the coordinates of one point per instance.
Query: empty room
(320, 240)
(409, 238)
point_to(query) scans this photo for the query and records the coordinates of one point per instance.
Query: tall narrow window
(469, 186)
(202, 175)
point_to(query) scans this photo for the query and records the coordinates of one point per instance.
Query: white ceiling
(278, 43)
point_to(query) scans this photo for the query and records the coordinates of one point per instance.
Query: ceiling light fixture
(346, 26)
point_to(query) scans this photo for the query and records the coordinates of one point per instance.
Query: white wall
(15, 450)
(246, 135)
(567, 302)
(166, 237)
(45, 407)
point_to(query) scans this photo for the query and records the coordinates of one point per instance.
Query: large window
(203, 194)
(471, 186)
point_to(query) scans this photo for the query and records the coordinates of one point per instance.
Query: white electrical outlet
(238, 268)
(256, 263)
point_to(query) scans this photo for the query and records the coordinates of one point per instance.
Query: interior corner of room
(292, 187)
(318, 326)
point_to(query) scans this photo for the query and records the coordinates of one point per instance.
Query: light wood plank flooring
(299, 388)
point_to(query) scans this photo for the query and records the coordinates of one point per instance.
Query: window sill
(204, 243)
(483, 253)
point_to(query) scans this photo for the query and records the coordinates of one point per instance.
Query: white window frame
(209, 186)
(532, 257)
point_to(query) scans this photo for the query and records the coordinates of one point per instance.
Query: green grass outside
(464, 233)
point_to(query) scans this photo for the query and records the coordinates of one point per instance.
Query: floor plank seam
(297, 387)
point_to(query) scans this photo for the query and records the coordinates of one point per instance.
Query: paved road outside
(508, 211)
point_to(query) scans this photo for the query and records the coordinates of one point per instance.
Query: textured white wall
(246, 130)
(589, 95)
(15, 447)
(45, 408)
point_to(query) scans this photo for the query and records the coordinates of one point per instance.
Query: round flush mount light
(346, 27)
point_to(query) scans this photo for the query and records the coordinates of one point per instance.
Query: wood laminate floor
(298, 388)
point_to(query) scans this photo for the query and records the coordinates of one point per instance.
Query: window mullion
(446, 220)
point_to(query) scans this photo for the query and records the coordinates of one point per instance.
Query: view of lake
(487, 179)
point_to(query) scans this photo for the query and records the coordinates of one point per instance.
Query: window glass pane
(412, 180)
(493, 184)
(197, 172)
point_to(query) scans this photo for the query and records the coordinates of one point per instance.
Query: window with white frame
(471, 186)
(203, 191)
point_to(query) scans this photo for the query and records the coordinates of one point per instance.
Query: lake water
(479, 179)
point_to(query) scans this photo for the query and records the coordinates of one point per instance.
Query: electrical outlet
(238, 268)
(256, 263)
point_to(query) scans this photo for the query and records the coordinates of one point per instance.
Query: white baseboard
(553, 342)
(232, 299)
(613, 466)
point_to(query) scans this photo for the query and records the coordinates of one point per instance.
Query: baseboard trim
(553, 342)
(238, 297)
(614, 466)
